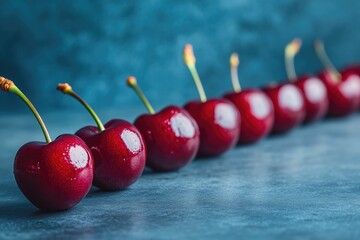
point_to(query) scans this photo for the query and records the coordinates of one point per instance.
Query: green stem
(15, 90)
(197, 81)
(290, 68)
(235, 79)
(90, 110)
(325, 60)
(143, 98)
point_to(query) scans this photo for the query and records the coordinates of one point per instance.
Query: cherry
(255, 107)
(352, 69)
(218, 119)
(289, 107)
(53, 175)
(288, 101)
(312, 88)
(118, 149)
(343, 87)
(171, 136)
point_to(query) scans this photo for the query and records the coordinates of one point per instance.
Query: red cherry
(352, 70)
(312, 88)
(171, 136)
(289, 107)
(344, 92)
(343, 88)
(255, 108)
(54, 175)
(218, 119)
(219, 123)
(315, 97)
(118, 149)
(257, 114)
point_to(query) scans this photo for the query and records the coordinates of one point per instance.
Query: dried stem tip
(64, 87)
(188, 55)
(5, 84)
(234, 60)
(293, 48)
(131, 81)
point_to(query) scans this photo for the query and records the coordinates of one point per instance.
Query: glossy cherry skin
(171, 136)
(344, 96)
(119, 154)
(315, 97)
(54, 176)
(289, 107)
(219, 124)
(257, 114)
(355, 68)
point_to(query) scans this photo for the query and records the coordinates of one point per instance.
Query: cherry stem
(131, 82)
(234, 63)
(67, 89)
(325, 60)
(290, 52)
(190, 60)
(8, 86)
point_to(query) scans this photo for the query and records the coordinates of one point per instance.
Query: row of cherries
(56, 175)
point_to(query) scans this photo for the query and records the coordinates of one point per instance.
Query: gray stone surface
(95, 44)
(304, 185)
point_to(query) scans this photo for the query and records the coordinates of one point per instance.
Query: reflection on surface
(314, 89)
(131, 140)
(260, 105)
(225, 115)
(351, 87)
(78, 156)
(182, 126)
(290, 97)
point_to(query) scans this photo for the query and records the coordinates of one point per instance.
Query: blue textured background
(298, 186)
(95, 44)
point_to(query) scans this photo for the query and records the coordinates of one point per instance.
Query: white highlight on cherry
(260, 105)
(291, 98)
(351, 87)
(225, 115)
(314, 89)
(131, 140)
(182, 126)
(78, 156)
